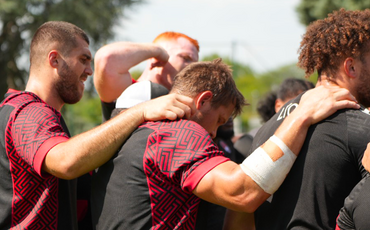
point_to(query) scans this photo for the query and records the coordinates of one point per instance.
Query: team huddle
(157, 156)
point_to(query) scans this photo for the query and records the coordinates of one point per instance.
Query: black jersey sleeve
(107, 109)
(354, 214)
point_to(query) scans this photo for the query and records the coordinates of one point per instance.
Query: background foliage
(311, 10)
(20, 18)
(254, 86)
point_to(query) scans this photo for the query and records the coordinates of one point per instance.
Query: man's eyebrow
(187, 55)
(87, 56)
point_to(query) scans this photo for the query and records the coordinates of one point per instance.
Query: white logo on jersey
(286, 110)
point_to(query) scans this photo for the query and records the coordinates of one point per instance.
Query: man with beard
(38, 160)
(329, 163)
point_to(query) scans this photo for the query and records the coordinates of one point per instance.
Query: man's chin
(73, 100)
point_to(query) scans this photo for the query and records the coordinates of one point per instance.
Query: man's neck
(44, 92)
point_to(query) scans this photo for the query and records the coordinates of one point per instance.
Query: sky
(264, 34)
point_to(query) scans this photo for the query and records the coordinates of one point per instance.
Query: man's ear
(53, 58)
(278, 104)
(350, 68)
(203, 99)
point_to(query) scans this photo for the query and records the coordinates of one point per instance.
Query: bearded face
(69, 86)
(362, 88)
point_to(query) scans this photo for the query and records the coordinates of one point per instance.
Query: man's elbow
(62, 170)
(249, 202)
(68, 173)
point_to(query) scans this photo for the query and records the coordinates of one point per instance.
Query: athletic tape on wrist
(286, 150)
(269, 174)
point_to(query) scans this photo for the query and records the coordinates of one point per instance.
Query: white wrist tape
(286, 150)
(269, 174)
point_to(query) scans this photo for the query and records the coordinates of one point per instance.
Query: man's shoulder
(358, 124)
(28, 104)
(362, 112)
(21, 98)
(13, 97)
(351, 119)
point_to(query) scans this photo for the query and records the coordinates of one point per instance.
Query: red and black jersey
(148, 184)
(30, 198)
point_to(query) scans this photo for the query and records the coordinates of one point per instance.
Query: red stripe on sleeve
(194, 178)
(43, 150)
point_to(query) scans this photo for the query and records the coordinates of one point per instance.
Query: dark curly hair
(329, 41)
(266, 106)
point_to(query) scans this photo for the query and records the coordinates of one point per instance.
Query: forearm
(265, 169)
(112, 65)
(244, 188)
(89, 150)
(314, 106)
(269, 164)
(292, 132)
(122, 56)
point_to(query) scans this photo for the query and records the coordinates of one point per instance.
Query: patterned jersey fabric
(149, 183)
(30, 198)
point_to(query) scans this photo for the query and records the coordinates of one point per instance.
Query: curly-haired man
(329, 163)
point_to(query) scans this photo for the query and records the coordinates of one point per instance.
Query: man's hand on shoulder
(324, 100)
(171, 106)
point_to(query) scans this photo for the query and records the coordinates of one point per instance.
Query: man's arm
(89, 150)
(366, 158)
(113, 62)
(230, 186)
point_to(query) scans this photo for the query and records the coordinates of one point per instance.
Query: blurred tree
(263, 84)
(311, 10)
(84, 115)
(238, 68)
(20, 18)
(135, 74)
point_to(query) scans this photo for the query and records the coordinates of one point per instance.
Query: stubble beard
(362, 89)
(67, 87)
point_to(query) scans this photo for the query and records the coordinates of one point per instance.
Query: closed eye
(187, 58)
(85, 58)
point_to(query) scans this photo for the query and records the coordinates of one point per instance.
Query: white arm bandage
(269, 174)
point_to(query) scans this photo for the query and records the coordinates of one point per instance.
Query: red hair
(175, 35)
